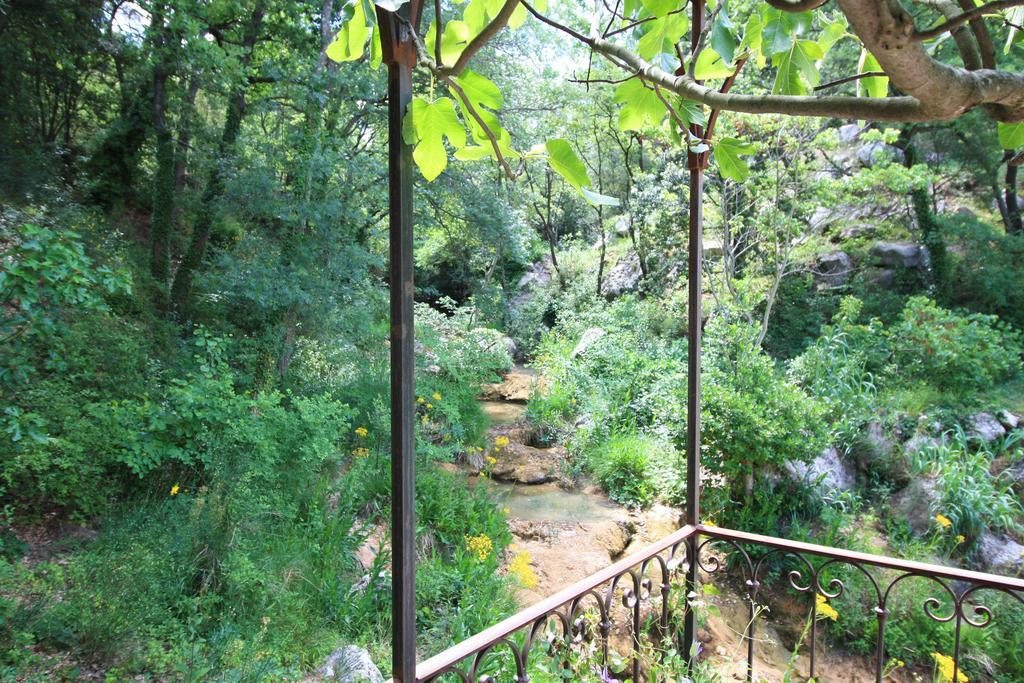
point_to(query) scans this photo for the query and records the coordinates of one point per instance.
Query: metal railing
(637, 599)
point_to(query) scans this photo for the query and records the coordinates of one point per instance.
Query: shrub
(954, 351)
(754, 419)
(969, 495)
(624, 466)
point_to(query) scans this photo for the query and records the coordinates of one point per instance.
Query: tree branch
(484, 36)
(849, 79)
(946, 26)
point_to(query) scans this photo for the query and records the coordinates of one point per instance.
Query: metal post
(694, 311)
(400, 55)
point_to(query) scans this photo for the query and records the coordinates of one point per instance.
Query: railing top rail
(473, 644)
(951, 573)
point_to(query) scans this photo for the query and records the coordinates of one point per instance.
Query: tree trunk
(1015, 225)
(163, 177)
(181, 290)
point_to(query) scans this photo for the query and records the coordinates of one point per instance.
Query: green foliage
(622, 466)
(954, 351)
(969, 495)
(754, 418)
(988, 268)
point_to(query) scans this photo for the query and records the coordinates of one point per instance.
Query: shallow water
(503, 412)
(549, 503)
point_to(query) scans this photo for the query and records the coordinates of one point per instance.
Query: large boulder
(916, 502)
(1000, 554)
(350, 664)
(624, 276)
(834, 269)
(524, 464)
(536, 277)
(876, 151)
(828, 471)
(588, 339)
(985, 427)
(903, 254)
(1009, 420)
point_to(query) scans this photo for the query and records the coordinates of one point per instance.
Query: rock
(985, 427)
(965, 213)
(713, 249)
(919, 442)
(916, 503)
(623, 277)
(350, 664)
(524, 464)
(883, 277)
(876, 151)
(536, 277)
(834, 268)
(587, 340)
(1008, 420)
(827, 471)
(1000, 554)
(622, 225)
(849, 132)
(1015, 473)
(857, 231)
(905, 254)
(517, 386)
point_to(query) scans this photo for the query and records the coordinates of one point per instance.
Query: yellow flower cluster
(823, 610)
(944, 521)
(960, 538)
(501, 442)
(480, 546)
(944, 667)
(175, 489)
(491, 459)
(436, 396)
(520, 568)
(361, 432)
(361, 452)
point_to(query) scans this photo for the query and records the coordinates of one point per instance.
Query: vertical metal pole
(400, 58)
(693, 390)
(695, 245)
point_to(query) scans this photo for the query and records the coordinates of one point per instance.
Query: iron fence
(634, 608)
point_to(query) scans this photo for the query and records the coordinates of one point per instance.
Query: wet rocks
(524, 464)
(350, 664)
(516, 386)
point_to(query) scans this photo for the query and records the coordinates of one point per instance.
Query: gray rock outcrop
(624, 276)
(1000, 554)
(834, 269)
(902, 254)
(985, 427)
(827, 471)
(587, 340)
(350, 664)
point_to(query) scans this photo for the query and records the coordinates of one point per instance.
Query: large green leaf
(876, 86)
(454, 38)
(797, 68)
(662, 35)
(350, 42)
(597, 199)
(727, 155)
(660, 8)
(1011, 135)
(711, 65)
(723, 36)
(425, 126)
(566, 163)
(641, 107)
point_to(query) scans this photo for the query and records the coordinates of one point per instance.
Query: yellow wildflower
(491, 459)
(421, 400)
(960, 538)
(520, 568)
(505, 510)
(436, 396)
(361, 432)
(480, 546)
(944, 521)
(824, 610)
(709, 522)
(430, 406)
(175, 489)
(361, 452)
(501, 442)
(944, 667)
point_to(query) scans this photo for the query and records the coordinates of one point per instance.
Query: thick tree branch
(484, 36)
